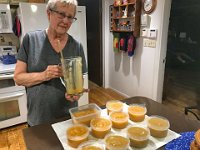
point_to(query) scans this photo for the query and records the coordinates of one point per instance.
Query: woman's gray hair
(52, 3)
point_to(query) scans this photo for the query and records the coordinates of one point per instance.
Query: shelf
(126, 16)
(122, 31)
(124, 4)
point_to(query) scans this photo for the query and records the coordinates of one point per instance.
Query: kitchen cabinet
(4, 1)
(125, 16)
(36, 1)
(16, 2)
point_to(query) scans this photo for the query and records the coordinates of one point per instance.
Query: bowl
(100, 127)
(116, 142)
(114, 105)
(84, 114)
(158, 126)
(137, 112)
(119, 119)
(139, 136)
(77, 134)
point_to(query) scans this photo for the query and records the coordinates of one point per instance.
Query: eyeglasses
(62, 15)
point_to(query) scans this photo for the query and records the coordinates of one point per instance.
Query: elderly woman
(37, 64)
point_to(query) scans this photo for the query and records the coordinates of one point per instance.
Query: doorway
(182, 69)
(94, 39)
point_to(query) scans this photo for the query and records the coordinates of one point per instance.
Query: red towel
(131, 45)
(17, 27)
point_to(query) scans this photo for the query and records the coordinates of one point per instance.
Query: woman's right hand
(52, 71)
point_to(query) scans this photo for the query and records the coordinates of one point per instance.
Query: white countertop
(7, 68)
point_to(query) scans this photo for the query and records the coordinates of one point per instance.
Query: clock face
(149, 6)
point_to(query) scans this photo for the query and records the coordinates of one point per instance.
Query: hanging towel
(17, 27)
(131, 44)
(116, 42)
(123, 44)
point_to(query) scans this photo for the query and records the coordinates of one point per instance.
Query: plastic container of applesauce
(139, 136)
(100, 127)
(116, 142)
(137, 112)
(84, 114)
(158, 126)
(77, 134)
(119, 119)
(114, 105)
(91, 145)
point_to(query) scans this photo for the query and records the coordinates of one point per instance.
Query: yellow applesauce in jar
(85, 112)
(114, 105)
(138, 136)
(100, 127)
(119, 119)
(137, 112)
(116, 142)
(77, 134)
(158, 126)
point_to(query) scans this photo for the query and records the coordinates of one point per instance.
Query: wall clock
(149, 6)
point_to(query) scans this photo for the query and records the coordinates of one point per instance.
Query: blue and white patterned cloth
(181, 143)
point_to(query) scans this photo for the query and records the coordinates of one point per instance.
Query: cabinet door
(36, 1)
(4, 1)
(17, 1)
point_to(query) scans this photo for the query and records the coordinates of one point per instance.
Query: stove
(7, 68)
(13, 98)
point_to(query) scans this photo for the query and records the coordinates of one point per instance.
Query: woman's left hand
(76, 97)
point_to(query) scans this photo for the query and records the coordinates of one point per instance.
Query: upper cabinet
(4, 1)
(125, 16)
(16, 2)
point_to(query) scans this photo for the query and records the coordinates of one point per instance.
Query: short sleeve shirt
(46, 101)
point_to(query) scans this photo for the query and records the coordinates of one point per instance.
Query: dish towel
(123, 44)
(17, 27)
(116, 42)
(131, 44)
(181, 143)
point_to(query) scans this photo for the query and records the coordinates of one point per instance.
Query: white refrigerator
(33, 16)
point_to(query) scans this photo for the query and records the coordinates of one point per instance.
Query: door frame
(159, 70)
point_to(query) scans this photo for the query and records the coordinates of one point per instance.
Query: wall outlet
(149, 43)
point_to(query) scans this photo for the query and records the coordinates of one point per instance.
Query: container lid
(137, 109)
(84, 111)
(158, 123)
(119, 116)
(114, 105)
(94, 145)
(100, 124)
(77, 132)
(138, 133)
(116, 142)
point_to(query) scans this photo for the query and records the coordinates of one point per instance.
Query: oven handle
(7, 76)
(10, 96)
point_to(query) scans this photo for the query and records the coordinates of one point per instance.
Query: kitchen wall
(142, 74)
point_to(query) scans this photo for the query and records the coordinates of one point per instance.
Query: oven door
(6, 80)
(13, 108)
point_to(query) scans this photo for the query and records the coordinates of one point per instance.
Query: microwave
(5, 19)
